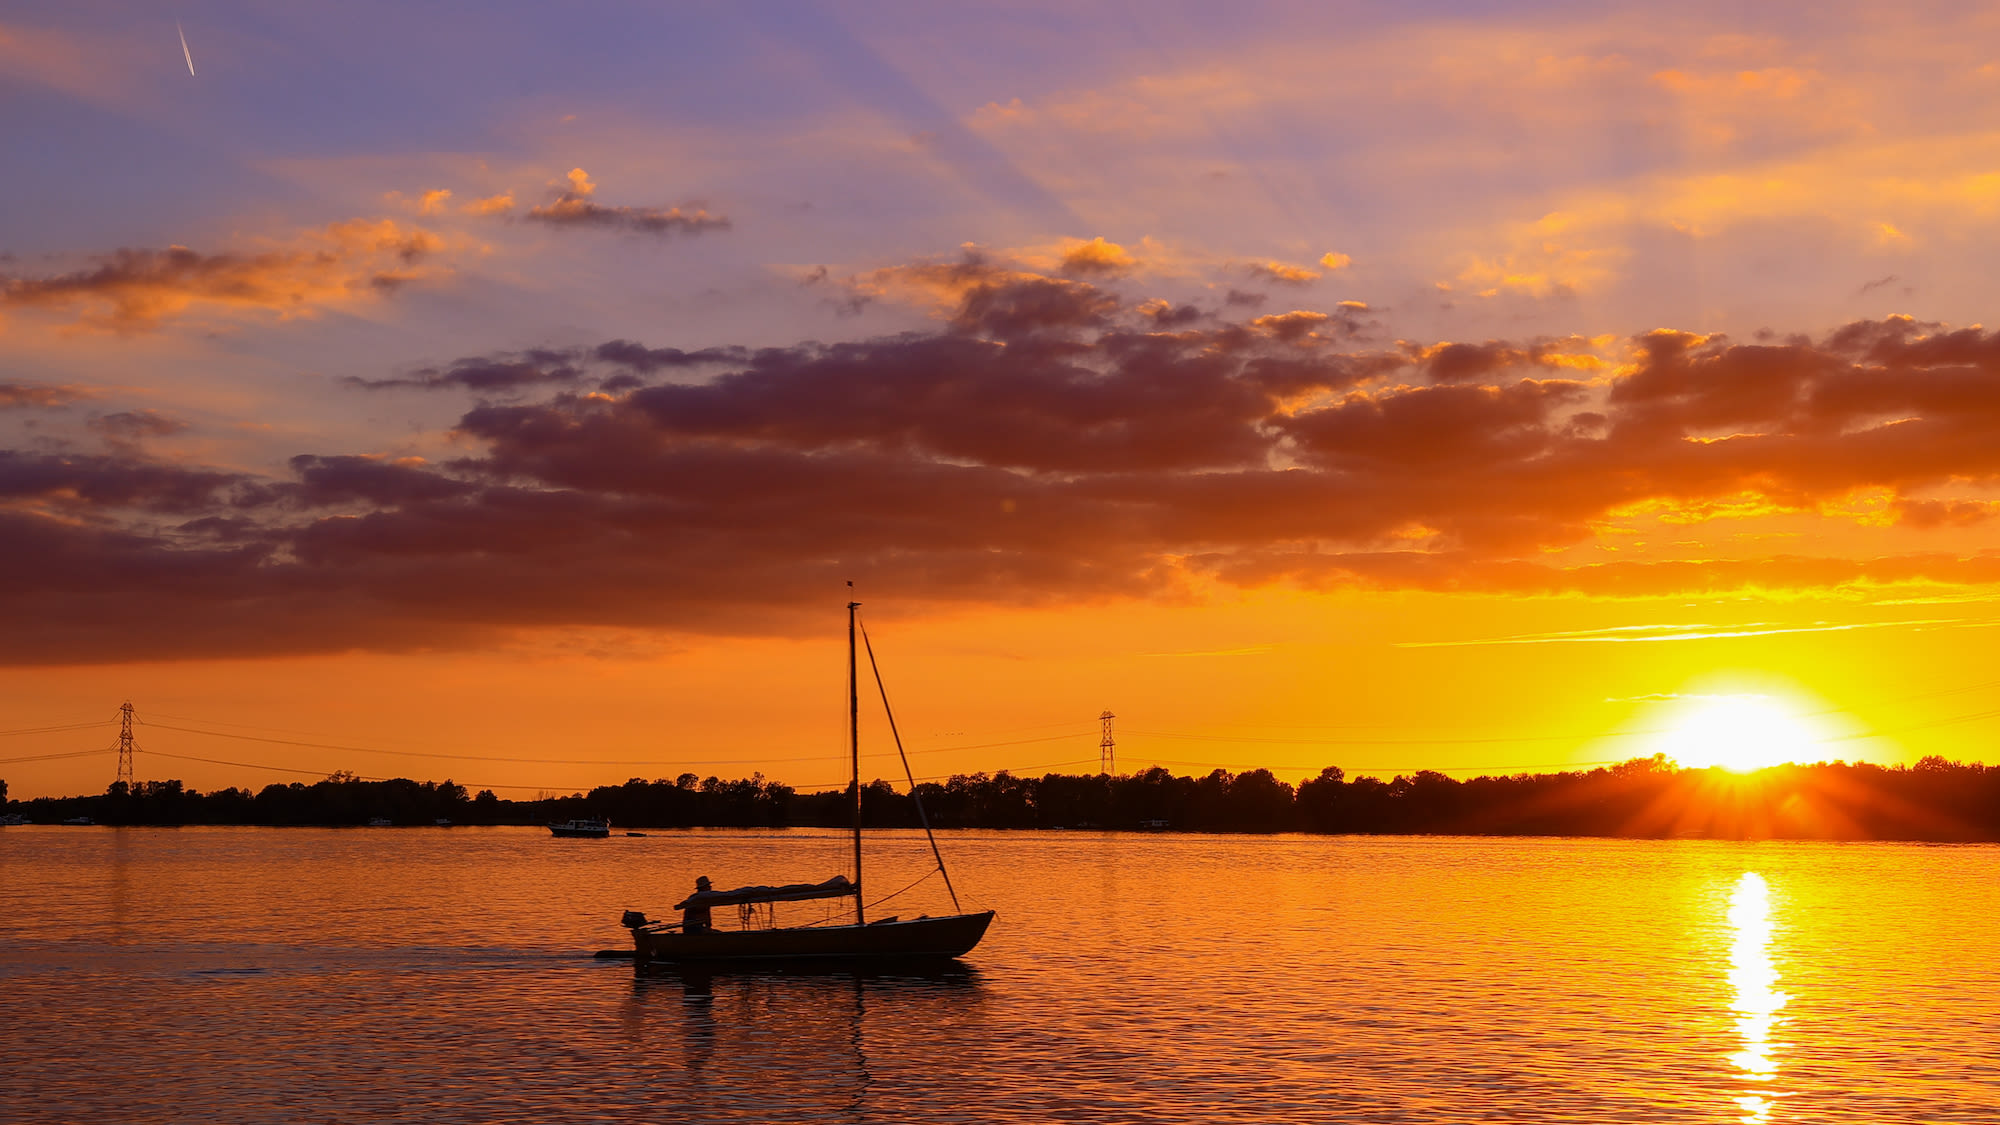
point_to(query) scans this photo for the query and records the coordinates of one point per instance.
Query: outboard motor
(632, 920)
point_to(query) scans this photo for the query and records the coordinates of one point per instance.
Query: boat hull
(914, 941)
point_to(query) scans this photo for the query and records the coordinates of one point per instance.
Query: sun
(1740, 733)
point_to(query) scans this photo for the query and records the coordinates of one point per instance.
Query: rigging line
(57, 756)
(912, 886)
(922, 817)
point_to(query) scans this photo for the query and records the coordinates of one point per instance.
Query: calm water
(441, 975)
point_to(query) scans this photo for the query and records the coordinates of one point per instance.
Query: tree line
(1933, 800)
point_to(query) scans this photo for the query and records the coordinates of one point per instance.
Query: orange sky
(1404, 388)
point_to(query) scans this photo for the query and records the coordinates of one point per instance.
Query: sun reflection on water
(1757, 1001)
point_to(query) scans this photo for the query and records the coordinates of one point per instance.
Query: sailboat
(883, 943)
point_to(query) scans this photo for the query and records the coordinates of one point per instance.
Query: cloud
(1096, 258)
(1047, 442)
(1334, 260)
(1283, 273)
(126, 429)
(574, 207)
(135, 290)
(29, 396)
(613, 365)
(491, 205)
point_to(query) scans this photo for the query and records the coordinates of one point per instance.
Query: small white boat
(12, 819)
(80, 820)
(582, 828)
(381, 822)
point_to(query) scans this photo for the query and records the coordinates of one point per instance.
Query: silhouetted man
(694, 916)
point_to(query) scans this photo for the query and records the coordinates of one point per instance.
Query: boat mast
(854, 745)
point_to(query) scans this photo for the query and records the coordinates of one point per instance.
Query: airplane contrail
(189, 55)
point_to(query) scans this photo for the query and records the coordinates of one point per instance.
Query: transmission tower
(125, 746)
(1105, 764)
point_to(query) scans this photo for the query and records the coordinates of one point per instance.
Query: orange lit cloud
(491, 205)
(1283, 273)
(1050, 441)
(22, 396)
(133, 290)
(575, 207)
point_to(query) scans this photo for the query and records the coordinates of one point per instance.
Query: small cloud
(1878, 283)
(1335, 260)
(30, 396)
(491, 205)
(126, 429)
(1291, 326)
(574, 208)
(1888, 234)
(1284, 273)
(1165, 314)
(433, 202)
(1096, 257)
(1926, 514)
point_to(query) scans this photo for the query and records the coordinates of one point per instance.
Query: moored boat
(582, 828)
(891, 942)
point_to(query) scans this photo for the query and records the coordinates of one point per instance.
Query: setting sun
(1739, 732)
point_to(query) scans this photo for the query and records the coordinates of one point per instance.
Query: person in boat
(694, 916)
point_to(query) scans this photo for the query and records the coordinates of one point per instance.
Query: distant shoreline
(1647, 798)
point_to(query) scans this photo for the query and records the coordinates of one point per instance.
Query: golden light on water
(1757, 1001)
(1741, 733)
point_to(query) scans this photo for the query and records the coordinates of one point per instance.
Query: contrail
(189, 55)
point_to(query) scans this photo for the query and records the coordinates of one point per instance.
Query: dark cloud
(498, 374)
(1050, 444)
(100, 487)
(1457, 362)
(130, 427)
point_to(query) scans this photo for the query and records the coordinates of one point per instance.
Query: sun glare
(1739, 732)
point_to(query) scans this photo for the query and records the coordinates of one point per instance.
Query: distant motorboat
(640, 835)
(582, 828)
(80, 820)
(442, 822)
(381, 822)
(13, 819)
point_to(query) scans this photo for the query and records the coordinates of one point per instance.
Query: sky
(507, 392)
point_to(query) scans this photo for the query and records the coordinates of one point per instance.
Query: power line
(572, 761)
(1394, 769)
(1389, 741)
(57, 756)
(53, 729)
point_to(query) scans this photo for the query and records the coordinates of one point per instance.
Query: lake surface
(442, 975)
